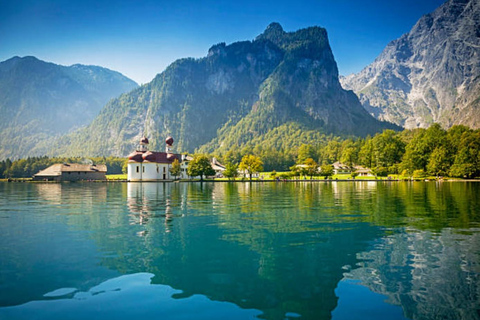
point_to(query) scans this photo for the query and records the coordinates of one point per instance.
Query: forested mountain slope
(40, 100)
(281, 88)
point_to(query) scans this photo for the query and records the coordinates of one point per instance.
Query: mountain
(41, 100)
(429, 75)
(281, 88)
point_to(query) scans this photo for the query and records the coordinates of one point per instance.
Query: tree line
(419, 152)
(26, 168)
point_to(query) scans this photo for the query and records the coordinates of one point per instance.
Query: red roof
(169, 141)
(152, 156)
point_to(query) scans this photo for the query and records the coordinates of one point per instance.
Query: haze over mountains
(40, 100)
(429, 75)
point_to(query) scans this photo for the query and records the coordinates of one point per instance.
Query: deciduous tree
(251, 164)
(200, 166)
(231, 171)
(176, 169)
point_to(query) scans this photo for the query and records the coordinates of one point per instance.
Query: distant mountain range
(279, 90)
(41, 100)
(429, 75)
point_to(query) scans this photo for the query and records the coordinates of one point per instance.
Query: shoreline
(23, 180)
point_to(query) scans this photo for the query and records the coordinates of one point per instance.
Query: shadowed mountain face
(429, 75)
(39, 100)
(239, 94)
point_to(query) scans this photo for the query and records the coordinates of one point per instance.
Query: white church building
(145, 165)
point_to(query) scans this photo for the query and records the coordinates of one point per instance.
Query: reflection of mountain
(432, 276)
(255, 264)
(274, 247)
(41, 248)
(118, 298)
(279, 248)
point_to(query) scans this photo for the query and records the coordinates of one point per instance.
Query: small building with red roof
(145, 165)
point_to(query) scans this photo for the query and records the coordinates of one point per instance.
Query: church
(145, 165)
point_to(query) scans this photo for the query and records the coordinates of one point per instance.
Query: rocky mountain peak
(429, 75)
(273, 30)
(242, 94)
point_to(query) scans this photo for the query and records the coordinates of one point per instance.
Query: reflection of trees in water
(299, 244)
(430, 276)
(277, 247)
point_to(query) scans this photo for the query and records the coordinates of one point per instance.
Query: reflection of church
(150, 201)
(145, 165)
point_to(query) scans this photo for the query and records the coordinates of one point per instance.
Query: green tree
(467, 159)
(232, 156)
(200, 166)
(176, 169)
(354, 174)
(366, 154)
(326, 170)
(231, 171)
(419, 174)
(295, 171)
(311, 167)
(380, 171)
(388, 149)
(305, 152)
(331, 152)
(419, 149)
(439, 162)
(273, 174)
(349, 154)
(251, 164)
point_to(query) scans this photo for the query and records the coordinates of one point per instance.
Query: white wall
(132, 174)
(148, 171)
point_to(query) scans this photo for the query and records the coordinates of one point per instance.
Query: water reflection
(126, 297)
(244, 244)
(285, 249)
(431, 276)
(60, 193)
(147, 201)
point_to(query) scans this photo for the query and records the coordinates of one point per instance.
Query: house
(363, 172)
(218, 167)
(72, 172)
(340, 168)
(145, 165)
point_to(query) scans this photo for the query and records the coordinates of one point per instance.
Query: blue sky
(141, 38)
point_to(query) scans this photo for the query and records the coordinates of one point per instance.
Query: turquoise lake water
(321, 250)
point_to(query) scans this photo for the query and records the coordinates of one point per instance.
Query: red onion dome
(144, 140)
(135, 156)
(149, 156)
(169, 141)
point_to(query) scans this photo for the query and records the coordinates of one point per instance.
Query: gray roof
(58, 168)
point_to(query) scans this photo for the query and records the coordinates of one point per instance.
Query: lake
(297, 250)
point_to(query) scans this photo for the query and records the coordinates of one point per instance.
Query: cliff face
(234, 95)
(429, 75)
(40, 100)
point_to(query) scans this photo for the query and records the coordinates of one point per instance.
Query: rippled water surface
(336, 250)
